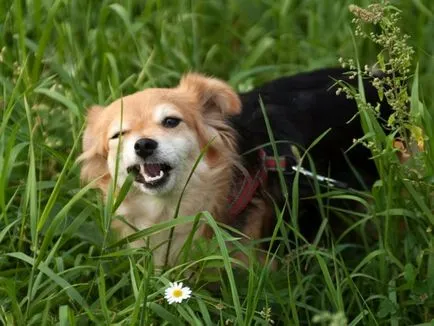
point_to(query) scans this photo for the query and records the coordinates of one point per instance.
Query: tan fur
(94, 157)
(202, 103)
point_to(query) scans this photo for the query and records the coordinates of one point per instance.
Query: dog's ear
(93, 159)
(214, 95)
(216, 100)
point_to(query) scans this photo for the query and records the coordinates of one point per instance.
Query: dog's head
(158, 134)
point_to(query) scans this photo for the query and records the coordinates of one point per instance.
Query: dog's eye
(171, 122)
(116, 135)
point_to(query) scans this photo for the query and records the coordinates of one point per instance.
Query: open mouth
(150, 174)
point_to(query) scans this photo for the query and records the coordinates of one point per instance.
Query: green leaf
(62, 99)
(386, 309)
(65, 285)
(410, 274)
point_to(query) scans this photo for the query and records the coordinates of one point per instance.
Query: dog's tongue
(153, 170)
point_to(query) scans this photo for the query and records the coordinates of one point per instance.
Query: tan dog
(162, 133)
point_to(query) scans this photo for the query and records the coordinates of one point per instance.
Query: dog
(158, 134)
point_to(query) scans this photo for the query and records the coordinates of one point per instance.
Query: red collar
(246, 186)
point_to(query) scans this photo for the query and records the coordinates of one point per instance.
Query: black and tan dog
(159, 133)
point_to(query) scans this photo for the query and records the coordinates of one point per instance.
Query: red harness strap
(246, 186)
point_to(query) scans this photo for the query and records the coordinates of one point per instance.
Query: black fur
(300, 108)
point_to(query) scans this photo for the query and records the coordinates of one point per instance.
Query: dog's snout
(144, 147)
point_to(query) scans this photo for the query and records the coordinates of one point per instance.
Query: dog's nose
(144, 147)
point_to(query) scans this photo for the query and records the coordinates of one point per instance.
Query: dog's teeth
(152, 179)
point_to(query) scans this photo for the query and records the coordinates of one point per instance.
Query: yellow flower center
(177, 293)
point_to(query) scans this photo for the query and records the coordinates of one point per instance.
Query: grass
(58, 264)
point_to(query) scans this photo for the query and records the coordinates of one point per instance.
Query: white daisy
(176, 293)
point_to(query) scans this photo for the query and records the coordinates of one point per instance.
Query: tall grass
(57, 262)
